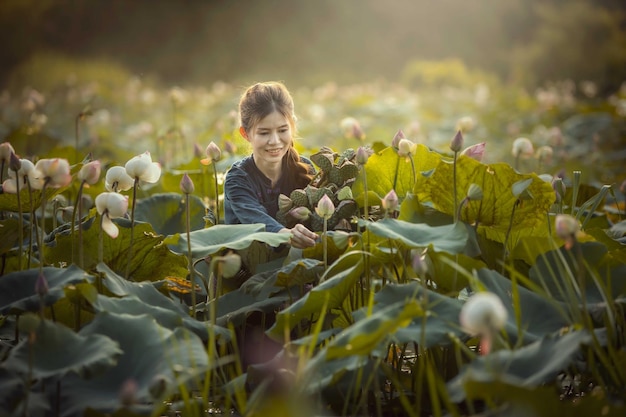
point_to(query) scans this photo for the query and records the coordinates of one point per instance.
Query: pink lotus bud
(457, 142)
(390, 202)
(5, 151)
(41, 285)
(352, 128)
(213, 153)
(142, 168)
(300, 213)
(55, 172)
(230, 147)
(186, 184)
(325, 207)
(117, 179)
(559, 188)
(362, 154)
(566, 228)
(197, 151)
(395, 142)
(523, 147)
(15, 164)
(476, 151)
(90, 172)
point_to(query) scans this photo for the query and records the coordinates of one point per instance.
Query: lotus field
(470, 260)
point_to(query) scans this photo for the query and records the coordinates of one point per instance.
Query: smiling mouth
(274, 151)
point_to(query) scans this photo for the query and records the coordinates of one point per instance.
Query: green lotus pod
(299, 197)
(344, 174)
(344, 193)
(345, 210)
(284, 203)
(315, 194)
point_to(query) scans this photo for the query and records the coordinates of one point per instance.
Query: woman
(253, 184)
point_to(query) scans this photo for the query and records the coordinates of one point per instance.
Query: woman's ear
(243, 133)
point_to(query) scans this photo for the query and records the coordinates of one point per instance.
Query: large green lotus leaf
(8, 202)
(12, 398)
(57, 351)
(329, 294)
(450, 238)
(10, 234)
(494, 210)
(234, 307)
(167, 213)
(17, 289)
(412, 211)
(298, 272)
(135, 307)
(440, 322)
(616, 250)
(448, 279)
(539, 316)
(374, 331)
(530, 366)
(233, 236)
(152, 353)
(552, 268)
(386, 168)
(151, 259)
(538, 401)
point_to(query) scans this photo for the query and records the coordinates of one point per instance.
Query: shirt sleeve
(239, 191)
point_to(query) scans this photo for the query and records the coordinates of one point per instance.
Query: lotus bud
(41, 285)
(352, 128)
(544, 154)
(90, 172)
(523, 147)
(325, 207)
(300, 213)
(457, 142)
(186, 184)
(466, 124)
(390, 202)
(345, 193)
(566, 228)
(117, 180)
(230, 147)
(142, 168)
(406, 148)
(5, 151)
(419, 263)
(128, 392)
(559, 188)
(474, 192)
(483, 314)
(284, 202)
(362, 155)
(231, 264)
(213, 152)
(475, 151)
(15, 164)
(55, 172)
(197, 151)
(395, 142)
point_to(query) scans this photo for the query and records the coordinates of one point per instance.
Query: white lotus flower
(55, 172)
(117, 180)
(110, 206)
(26, 174)
(523, 147)
(483, 314)
(142, 168)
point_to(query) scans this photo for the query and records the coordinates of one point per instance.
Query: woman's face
(270, 138)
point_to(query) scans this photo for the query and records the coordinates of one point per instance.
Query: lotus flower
(27, 172)
(483, 314)
(362, 154)
(390, 201)
(55, 172)
(142, 168)
(186, 184)
(213, 153)
(90, 172)
(522, 147)
(110, 206)
(117, 180)
(395, 142)
(406, 148)
(566, 228)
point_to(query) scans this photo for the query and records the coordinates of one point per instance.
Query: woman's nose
(273, 137)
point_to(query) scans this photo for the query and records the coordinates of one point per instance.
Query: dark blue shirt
(249, 196)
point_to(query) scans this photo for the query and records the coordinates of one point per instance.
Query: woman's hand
(301, 237)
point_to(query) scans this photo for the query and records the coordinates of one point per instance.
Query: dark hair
(262, 99)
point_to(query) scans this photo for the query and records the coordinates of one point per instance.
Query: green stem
(132, 227)
(413, 168)
(456, 215)
(395, 175)
(508, 233)
(217, 195)
(325, 244)
(43, 225)
(33, 225)
(101, 240)
(20, 227)
(73, 223)
(192, 274)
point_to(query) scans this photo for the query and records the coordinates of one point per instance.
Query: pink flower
(325, 207)
(55, 172)
(390, 202)
(395, 142)
(476, 151)
(90, 172)
(456, 144)
(186, 184)
(213, 153)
